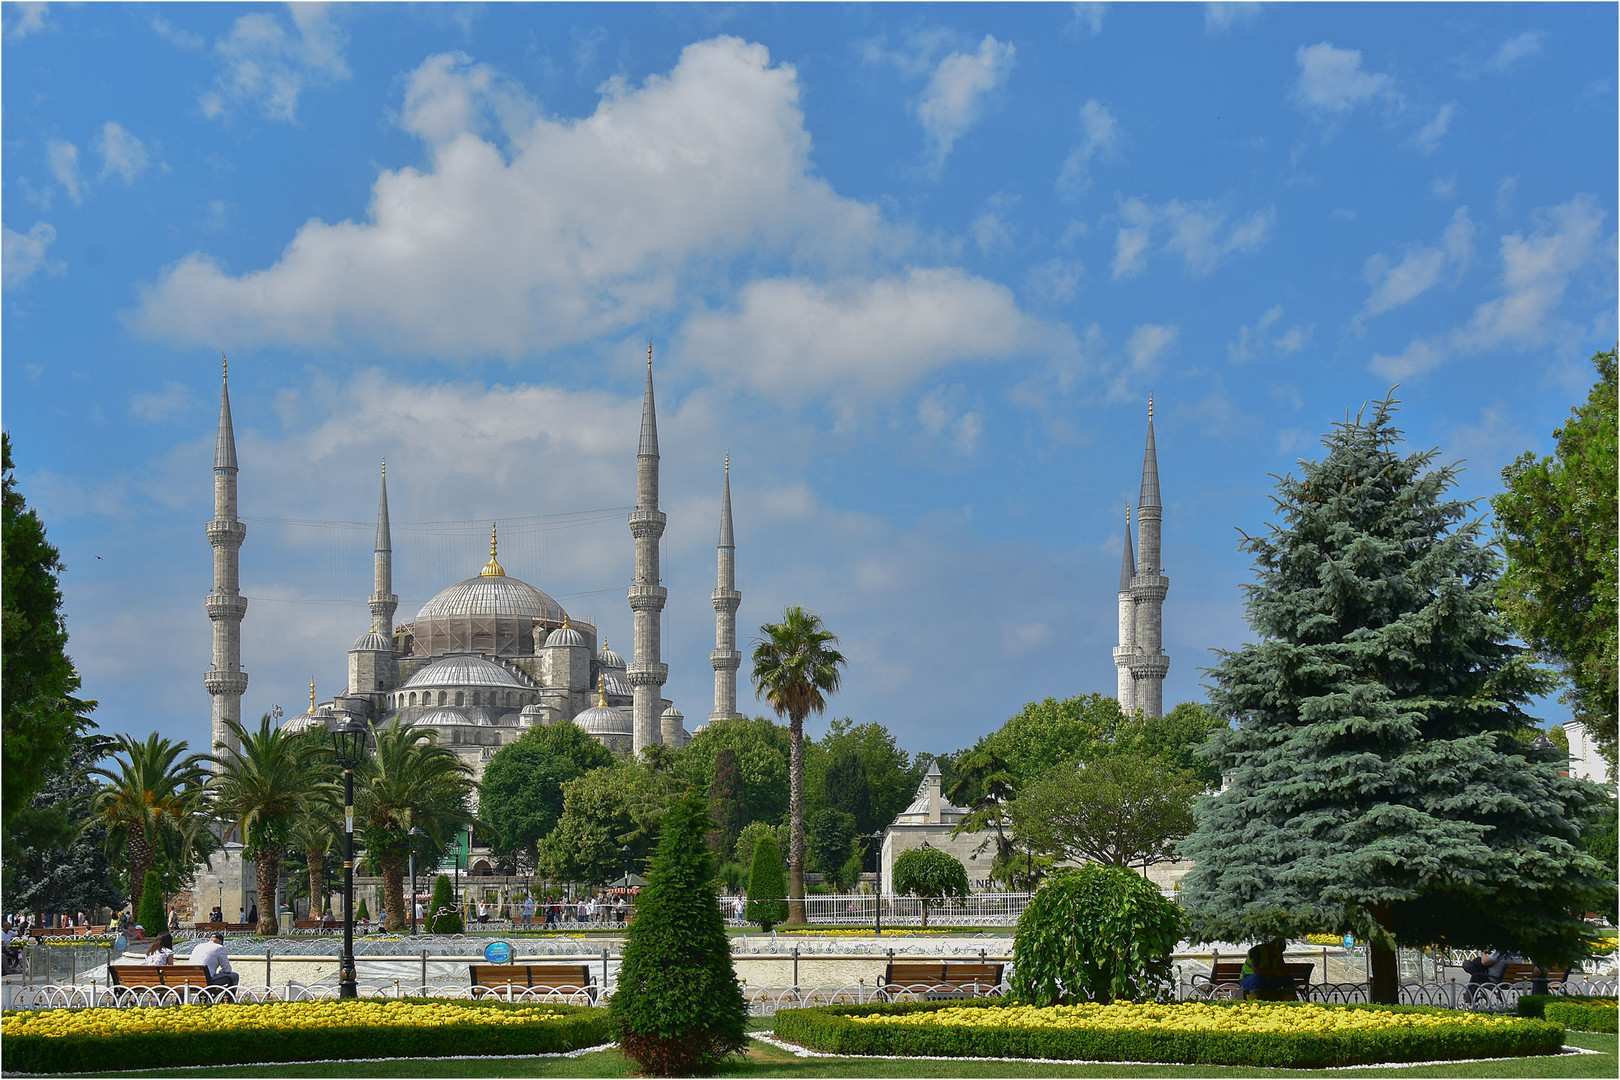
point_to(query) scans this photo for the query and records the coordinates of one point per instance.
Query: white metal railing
(863, 909)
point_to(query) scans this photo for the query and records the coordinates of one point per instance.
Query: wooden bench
(564, 978)
(1523, 973)
(941, 979)
(1229, 973)
(206, 928)
(57, 931)
(317, 924)
(146, 976)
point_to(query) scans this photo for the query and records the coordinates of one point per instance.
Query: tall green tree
(318, 831)
(727, 801)
(846, 790)
(984, 788)
(679, 1009)
(1375, 786)
(1558, 523)
(40, 715)
(830, 840)
(929, 874)
(765, 907)
(891, 773)
(1047, 732)
(604, 811)
(153, 808)
(521, 792)
(55, 857)
(408, 781)
(264, 786)
(795, 667)
(761, 747)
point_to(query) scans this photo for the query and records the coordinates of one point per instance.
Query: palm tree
(151, 806)
(795, 665)
(409, 782)
(263, 788)
(319, 828)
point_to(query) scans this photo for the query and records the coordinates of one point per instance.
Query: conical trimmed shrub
(766, 889)
(151, 918)
(442, 915)
(679, 1008)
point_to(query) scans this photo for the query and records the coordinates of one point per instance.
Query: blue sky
(918, 268)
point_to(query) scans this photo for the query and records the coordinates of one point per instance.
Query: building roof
(467, 671)
(604, 720)
(607, 658)
(565, 636)
(492, 595)
(372, 642)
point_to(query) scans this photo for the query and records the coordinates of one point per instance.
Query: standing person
(528, 911)
(211, 954)
(241, 915)
(483, 912)
(418, 910)
(174, 921)
(161, 953)
(253, 913)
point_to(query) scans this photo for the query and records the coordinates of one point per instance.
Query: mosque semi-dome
(565, 636)
(466, 671)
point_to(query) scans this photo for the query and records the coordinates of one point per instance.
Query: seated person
(161, 952)
(211, 955)
(1264, 976)
(1485, 970)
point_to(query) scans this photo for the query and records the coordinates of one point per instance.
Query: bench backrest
(158, 975)
(914, 974)
(973, 974)
(1230, 971)
(1514, 973)
(543, 976)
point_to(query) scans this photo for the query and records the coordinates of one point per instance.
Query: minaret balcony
(1123, 654)
(725, 659)
(225, 682)
(647, 674)
(647, 597)
(1151, 587)
(647, 524)
(727, 600)
(226, 533)
(227, 606)
(1149, 665)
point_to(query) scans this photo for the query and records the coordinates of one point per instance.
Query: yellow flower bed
(1248, 1016)
(302, 1015)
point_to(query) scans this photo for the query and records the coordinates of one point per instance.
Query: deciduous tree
(1123, 809)
(930, 874)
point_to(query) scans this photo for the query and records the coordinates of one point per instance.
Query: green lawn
(765, 1060)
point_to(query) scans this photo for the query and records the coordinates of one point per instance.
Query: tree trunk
(317, 881)
(140, 861)
(796, 821)
(1384, 974)
(925, 912)
(393, 873)
(268, 865)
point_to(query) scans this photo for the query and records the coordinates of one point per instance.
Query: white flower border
(803, 1052)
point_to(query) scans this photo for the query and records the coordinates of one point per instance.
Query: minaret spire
(725, 659)
(647, 671)
(1125, 651)
(383, 602)
(225, 680)
(1148, 587)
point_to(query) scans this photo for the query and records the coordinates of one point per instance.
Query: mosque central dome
(488, 596)
(493, 613)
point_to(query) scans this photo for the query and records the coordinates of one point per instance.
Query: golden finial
(728, 462)
(224, 366)
(565, 620)
(492, 568)
(385, 466)
(1150, 408)
(601, 690)
(1127, 513)
(312, 695)
(649, 354)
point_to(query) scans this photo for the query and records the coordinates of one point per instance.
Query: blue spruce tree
(1374, 785)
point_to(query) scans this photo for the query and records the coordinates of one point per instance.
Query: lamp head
(349, 741)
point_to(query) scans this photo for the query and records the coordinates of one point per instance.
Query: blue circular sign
(1349, 941)
(120, 942)
(498, 952)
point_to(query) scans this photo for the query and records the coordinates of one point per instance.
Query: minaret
(1127, 623)
(225, 680)
(725, 658)
(646, 673)
(383, 601)
(1148, 587)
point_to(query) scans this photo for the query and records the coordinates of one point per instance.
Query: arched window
(475, 700)
(441, 697)
(413, 697)
(458, 698)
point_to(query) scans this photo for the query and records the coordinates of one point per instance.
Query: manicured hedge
(1572, 1010)
(581, 1026)
(828, 1028)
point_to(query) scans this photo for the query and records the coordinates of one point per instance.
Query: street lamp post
(877, 907)
(348, 742)
(413, 834)
(624, 849)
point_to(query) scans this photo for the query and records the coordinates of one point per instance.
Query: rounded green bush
(1096, 933)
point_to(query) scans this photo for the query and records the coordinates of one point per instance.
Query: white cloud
(121, 152)
(1444, 187)
(1055, 281)
(1220, 18)
(265, 65)
(27, 17)
(1198, 232)
(1254, 340)
(954, 99)
(792, 338)
(1429, 135)
(1514, 49)
(1146, 344)
(940, 416)
(1420, 268)
(1536, 272)
(182, 39)
(589, 227)
(1087, 19)
(1099, 137)
(24, 253)
(450, 95)
(1332, 80)
(990, 229)
(63, 158)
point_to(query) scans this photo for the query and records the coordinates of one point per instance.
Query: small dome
(444, 718)
(466, 671)
(616, 686)
(372, 642)
(607, 658)
(297, 725)
(604, 720)
(565, 636)
(672, 713)
(533, 713)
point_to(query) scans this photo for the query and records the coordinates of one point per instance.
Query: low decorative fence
(870, 909)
